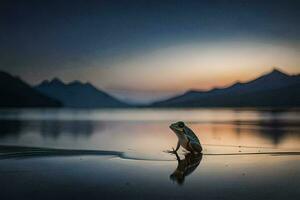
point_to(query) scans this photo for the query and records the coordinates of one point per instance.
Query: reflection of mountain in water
(55, 128)
(254, 127)
(277, 129)
(47, 128)
(10, 128)
(272, 127)
(274, 130)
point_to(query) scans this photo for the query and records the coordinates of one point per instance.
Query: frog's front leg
(177, 157)
(177, 147)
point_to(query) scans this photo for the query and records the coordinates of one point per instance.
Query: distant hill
(273, 89)
(78, 95)
(16, 93)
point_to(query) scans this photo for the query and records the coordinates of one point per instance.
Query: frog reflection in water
(189, 141)
(186, 138)
(185, 166)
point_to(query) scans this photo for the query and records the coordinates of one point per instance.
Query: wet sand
(45, 173)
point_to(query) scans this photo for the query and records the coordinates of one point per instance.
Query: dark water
(105, 154)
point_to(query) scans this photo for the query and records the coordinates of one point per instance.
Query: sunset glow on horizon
(201, 67)
(148, 49)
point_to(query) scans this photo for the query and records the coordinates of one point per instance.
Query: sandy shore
(40, 173)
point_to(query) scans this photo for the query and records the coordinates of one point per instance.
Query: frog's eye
(180, 124)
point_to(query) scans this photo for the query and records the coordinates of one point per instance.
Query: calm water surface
(248, 154)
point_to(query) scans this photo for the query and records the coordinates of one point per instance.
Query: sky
(141, 50)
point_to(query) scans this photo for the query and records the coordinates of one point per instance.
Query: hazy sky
(147, 49)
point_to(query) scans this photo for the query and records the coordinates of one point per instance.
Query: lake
(113, 154)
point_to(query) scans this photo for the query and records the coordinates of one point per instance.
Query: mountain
(16, 93)
(272, 89)
(78, 95)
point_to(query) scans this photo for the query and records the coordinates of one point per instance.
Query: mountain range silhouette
(17, 93)
(274, 89)
(78, 95)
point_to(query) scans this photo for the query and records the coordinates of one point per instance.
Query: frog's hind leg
(195, 147)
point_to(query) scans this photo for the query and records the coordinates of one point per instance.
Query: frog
(186, 138)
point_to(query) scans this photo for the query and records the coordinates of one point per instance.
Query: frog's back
(191, 134)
